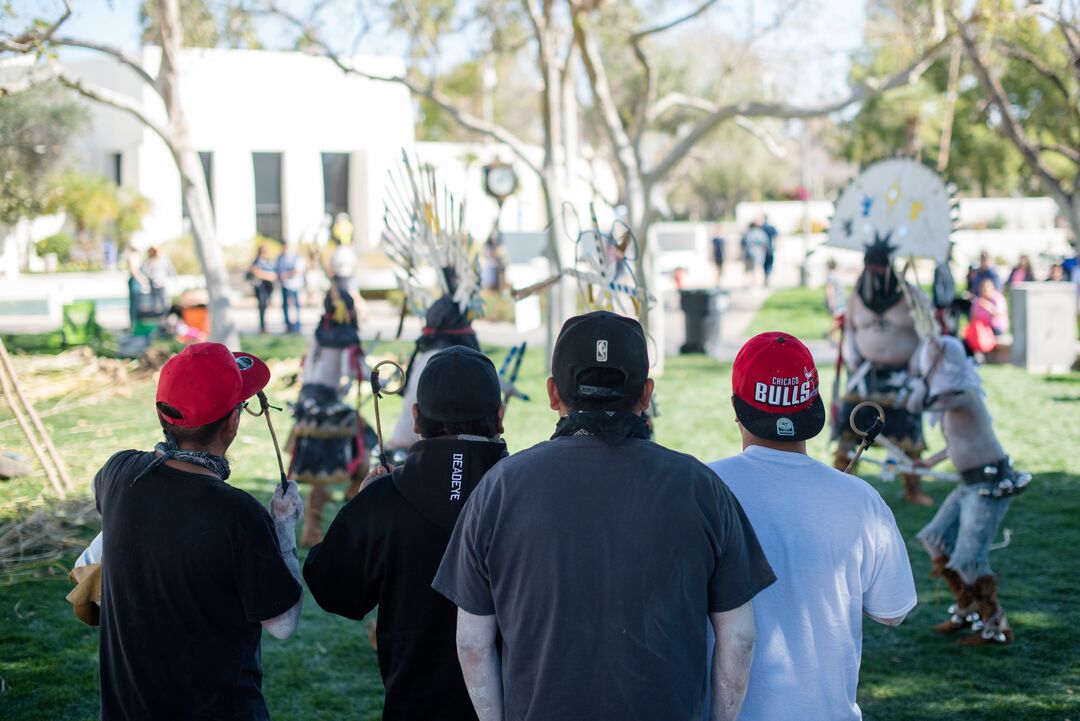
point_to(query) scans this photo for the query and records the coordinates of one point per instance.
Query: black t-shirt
(601, 564)
(191, 566)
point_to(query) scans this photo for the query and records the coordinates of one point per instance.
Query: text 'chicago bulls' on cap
(775, 386)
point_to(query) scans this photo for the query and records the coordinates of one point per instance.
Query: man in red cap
(194, 568)
(830, 537)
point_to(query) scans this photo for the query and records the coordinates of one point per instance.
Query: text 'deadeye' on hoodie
(384, 548)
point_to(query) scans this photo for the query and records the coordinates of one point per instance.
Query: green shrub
(60, 243)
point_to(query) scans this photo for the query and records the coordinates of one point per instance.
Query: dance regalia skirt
(902, 427)
(330, 442)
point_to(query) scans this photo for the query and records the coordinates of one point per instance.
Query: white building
(285, 138)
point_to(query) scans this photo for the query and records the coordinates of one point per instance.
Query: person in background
(1022, 273)
(342, 230)
(718, 243)
(342, 265)
(138, 284)
(835, 299)
(991, 307)
(1057, 274)
(770, 248)
(385, 545)
(753, 243)
(290, 272)
(985, 269)
(943, 296)
(262, 274)
(837, 550)
(158, 269)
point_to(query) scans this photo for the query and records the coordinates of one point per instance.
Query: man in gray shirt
(601, 557)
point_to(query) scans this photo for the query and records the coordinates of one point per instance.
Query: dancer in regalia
(330, 443)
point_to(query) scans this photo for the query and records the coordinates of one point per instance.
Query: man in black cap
(386, 543)
(601, 557)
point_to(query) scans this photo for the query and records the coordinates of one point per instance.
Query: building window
(267, 168)
(335, 175)
(206, 160)
(115, 168)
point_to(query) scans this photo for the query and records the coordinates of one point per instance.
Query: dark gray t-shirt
(601, 564)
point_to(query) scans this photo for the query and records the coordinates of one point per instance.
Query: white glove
(286, 507)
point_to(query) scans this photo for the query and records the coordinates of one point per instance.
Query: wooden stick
(61, 468)
(9, 394)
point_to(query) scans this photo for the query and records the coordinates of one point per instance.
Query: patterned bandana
(613, 427)
(170, 452)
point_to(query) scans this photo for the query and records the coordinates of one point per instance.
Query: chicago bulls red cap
(775, 388)
(205, 381)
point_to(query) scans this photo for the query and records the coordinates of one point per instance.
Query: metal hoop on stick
(377, 389)
(264, 407)
(868, 435)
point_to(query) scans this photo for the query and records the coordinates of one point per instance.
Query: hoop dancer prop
(264, 408)
(377, 390)
(868, 435)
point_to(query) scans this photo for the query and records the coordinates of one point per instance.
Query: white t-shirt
(836, 551)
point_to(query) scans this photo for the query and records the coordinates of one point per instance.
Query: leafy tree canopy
(35, 129)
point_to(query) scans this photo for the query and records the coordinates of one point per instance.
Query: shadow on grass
(911, 672)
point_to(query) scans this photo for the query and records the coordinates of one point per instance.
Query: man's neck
(786, 446)
(191, 467)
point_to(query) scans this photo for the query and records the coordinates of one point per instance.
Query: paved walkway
(382, 320)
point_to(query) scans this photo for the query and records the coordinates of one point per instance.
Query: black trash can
(702, 308)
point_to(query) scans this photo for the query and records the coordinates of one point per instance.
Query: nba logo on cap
(601, 351)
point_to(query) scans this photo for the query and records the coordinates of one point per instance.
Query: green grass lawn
(798, 311)
(327, 670)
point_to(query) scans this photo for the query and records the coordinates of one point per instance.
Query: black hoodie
(384, 548)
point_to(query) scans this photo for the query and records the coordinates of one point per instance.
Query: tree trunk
(193, 184)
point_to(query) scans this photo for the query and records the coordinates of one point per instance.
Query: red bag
(980, 337)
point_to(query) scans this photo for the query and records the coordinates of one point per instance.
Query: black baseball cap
(459, 384)
(774, 385)
(600, 339)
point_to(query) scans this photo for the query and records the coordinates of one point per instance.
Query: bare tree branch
(621, 147)
(861, 92)
(1070, 153)
(34, 39)
(463, 118)
(662, 27)
(772, 145)
(128, 60)
(1010, 126)
(1037, 64)
(105, 96)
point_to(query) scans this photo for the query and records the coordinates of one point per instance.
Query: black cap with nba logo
(775, 388)
(600, 340)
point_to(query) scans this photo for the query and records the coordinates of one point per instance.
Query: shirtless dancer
(879, 342)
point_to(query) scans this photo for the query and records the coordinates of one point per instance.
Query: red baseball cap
(775, 387)
(205, 381)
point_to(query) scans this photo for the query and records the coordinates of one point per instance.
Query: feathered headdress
(424, 227)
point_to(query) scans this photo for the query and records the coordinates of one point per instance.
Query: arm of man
(345, 572)
(933, 460)
(479, 661)
(285, 509)
(731, 661)
(889, 591)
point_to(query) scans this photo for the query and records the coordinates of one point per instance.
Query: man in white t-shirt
(830, 537)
